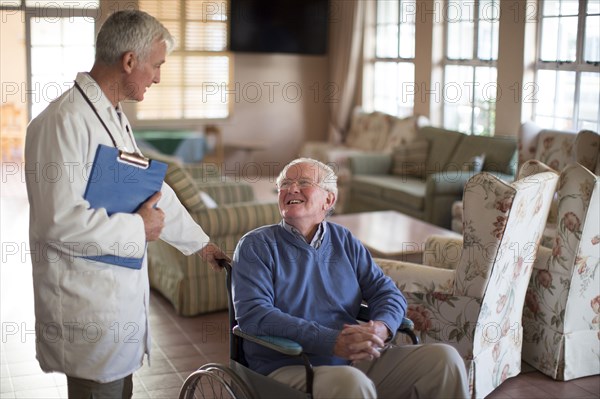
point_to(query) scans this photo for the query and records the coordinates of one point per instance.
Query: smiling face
(143, 73)
(302, 202)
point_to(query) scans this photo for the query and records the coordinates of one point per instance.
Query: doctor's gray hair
(130, 30)
(327, 178)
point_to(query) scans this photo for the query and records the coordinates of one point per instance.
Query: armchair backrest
(562, 310)
(503, 225)
(490, 207)
(552, 147)
(576, 248)
(587, 150)
(487, 202)
(505, 293)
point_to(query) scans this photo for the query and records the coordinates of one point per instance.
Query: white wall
(279, 101)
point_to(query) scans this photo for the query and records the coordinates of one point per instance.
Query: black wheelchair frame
(237, 381)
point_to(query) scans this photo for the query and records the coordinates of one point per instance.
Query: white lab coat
(91, 317)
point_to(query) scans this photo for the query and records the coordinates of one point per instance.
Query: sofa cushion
(403, 131)
(369, 131)
(375, 136)
(442, 144)
(410, 158)
(358, 124)
(475, 164)
(409, 191)
(499, 152)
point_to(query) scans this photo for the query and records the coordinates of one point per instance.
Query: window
(60, 43)
(469, 90)
(392, 65)
(567, 68)
(60, 48)
(195, 78)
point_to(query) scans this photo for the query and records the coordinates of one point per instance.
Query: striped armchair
(186, 281)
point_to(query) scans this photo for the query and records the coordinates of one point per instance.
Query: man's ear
(128, 62)
(330, 200)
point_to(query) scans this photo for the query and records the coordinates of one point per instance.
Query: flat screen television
(279, 26)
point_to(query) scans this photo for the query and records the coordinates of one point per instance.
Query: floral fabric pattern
(561, 317)
(480, 313)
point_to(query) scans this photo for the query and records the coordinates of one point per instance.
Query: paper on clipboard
(119, 183)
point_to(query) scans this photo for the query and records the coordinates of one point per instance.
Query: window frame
(182, 122)
(40, 11)
(371, 59)
(578, 66)
(474, 62)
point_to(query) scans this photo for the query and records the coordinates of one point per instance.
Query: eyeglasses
(286, 184)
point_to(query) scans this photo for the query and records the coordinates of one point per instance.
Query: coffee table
(391, 234)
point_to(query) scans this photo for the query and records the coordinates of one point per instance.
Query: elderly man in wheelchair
(305, 279)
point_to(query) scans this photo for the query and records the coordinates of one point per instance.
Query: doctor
(91, 317)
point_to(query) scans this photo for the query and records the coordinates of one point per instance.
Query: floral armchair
(561, 318)
(557, 149)
(469, 293)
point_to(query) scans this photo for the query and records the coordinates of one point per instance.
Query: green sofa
(186, 281)
(449, 161)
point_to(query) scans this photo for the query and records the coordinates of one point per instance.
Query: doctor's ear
(129, 61)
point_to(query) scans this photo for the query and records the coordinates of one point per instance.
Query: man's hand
(212, 254)
(359, 342)
(154, 218)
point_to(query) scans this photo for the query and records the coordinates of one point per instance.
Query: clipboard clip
(134, 159)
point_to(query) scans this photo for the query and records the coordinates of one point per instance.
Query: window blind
(195, 78)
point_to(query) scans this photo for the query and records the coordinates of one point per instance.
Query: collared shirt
(317, 239)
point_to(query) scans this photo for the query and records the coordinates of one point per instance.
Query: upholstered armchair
(470, 292)
(587, 150)
(556, 149)
(561, 317)
(226, 210)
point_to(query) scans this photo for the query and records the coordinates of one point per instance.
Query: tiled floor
(180, 344)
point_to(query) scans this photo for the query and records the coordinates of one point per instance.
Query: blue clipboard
(121, 182)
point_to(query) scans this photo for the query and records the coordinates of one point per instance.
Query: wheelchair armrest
(406, 326)
(279, 344)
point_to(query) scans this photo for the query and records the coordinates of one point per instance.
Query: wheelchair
(237, 381)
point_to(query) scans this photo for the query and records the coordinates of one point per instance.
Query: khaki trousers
(79, 388)
(412, 371)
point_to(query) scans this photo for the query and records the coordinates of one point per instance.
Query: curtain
(345, 55)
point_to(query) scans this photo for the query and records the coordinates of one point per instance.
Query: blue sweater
(284, 287)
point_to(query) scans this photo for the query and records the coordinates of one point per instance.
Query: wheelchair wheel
(214, 381)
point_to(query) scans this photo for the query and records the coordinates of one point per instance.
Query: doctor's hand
(213, 254)
(154, 218)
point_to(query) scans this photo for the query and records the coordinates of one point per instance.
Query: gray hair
(130, 30)
(327, 179)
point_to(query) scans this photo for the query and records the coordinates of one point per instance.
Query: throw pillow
(410, 159)
(357, 126)
(474, 164)
(403, 131)
(374, 132)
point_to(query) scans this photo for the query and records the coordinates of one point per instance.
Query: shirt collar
(91, 88)
(317, 239)
(107, 112)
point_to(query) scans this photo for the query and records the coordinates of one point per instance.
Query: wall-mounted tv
(279, 26)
